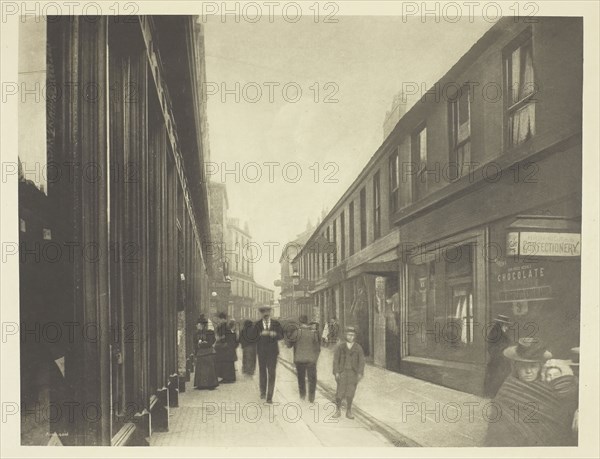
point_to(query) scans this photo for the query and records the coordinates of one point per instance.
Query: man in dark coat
(348, 368)
(498, 367)
(269, 333)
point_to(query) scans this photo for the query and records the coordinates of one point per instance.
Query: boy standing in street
(348, 368)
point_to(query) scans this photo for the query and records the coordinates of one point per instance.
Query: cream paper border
(590, 319)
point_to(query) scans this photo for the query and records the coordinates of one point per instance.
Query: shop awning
(382, 268)
(545, 222)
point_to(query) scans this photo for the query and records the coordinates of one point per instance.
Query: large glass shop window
(441, 319)
(36, 121)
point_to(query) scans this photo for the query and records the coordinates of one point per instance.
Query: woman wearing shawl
(533, 407)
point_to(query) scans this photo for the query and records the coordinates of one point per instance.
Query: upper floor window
(328, 255)
(322, 249)
(342, 236)
(376, 206)
(351, 228)
(419, 156)
(520, 87)
(335, 246)
(394, 168)
(363, 218)
(460, 130)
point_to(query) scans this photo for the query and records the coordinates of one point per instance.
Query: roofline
(463, 62)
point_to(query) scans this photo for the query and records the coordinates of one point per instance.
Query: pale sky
(365, 60)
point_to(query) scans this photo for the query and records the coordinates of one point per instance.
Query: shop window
(520, 88)
(37, 105)
(441, 305)
(44, 283)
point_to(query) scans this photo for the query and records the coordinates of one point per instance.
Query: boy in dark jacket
(348, 368)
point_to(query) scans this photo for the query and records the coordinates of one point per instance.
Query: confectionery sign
(544, 244)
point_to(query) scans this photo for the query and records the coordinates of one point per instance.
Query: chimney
(393, 116)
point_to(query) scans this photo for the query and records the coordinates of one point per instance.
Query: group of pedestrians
(216, 354)
(216, 351)
(348, 363)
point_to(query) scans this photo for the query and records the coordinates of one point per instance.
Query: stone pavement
(234, 415)
(409, 411)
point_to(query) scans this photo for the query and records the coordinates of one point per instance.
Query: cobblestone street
(234, 415)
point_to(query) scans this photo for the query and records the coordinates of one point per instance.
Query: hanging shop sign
(543, 244)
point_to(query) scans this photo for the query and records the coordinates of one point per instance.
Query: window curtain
(523, 120)
(523, 123)
(464, 312)
(522, 73)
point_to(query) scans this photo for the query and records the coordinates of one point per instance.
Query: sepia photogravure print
(320, 228)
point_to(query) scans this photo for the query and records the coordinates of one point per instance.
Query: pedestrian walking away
(248, 341)
(205, 375)
(307, 346)
(334, 329)
(269, 333)
(348, 368)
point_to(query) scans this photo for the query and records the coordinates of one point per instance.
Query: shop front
(525, 267)
(445, 312)
(537, 282)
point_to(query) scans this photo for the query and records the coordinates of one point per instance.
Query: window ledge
(535, 149)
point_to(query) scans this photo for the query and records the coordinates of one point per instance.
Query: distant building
(239, 256)
(294, 300)
(220, 282)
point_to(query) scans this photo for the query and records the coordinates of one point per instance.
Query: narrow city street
(393, 201)
(234, 415)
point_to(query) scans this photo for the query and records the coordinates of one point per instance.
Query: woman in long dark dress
(498, 367)
(205, 375)
(227, 343)
(248, 340)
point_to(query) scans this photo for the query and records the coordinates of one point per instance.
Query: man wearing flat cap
(269, 333)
